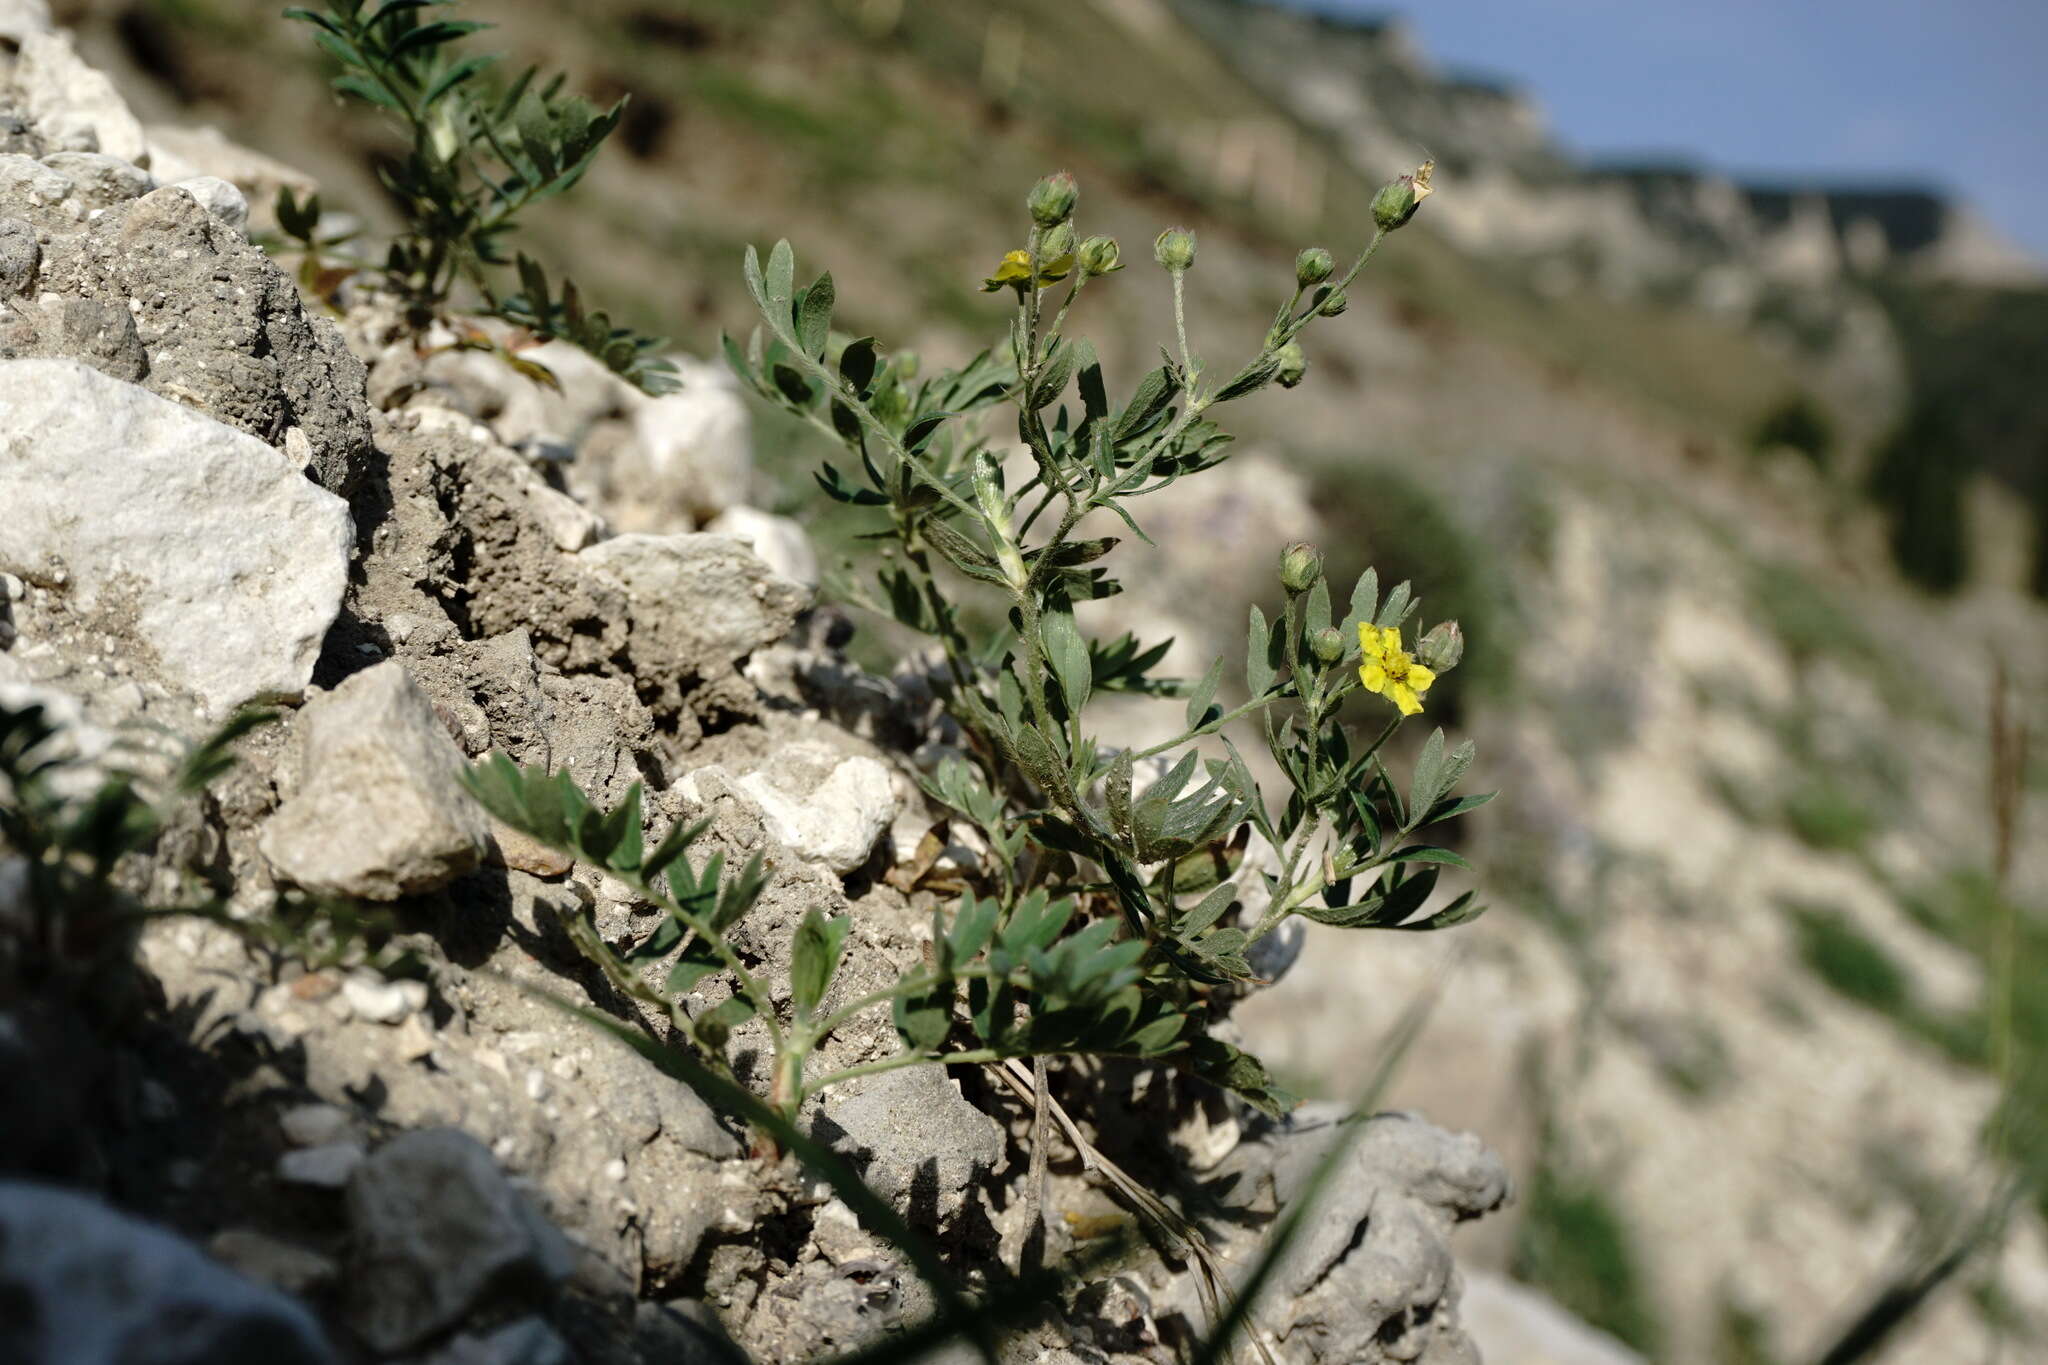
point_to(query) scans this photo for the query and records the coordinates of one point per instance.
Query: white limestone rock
(207, 545)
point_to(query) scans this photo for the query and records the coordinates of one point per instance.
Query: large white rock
(780, 542)
(20, 18)
(697, 443)
(380, 811)
(210, 546)
(74, 107)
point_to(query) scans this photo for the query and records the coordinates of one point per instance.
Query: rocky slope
(396, 1148)
(1727, 1024)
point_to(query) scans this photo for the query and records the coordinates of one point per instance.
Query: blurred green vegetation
(1974, 359)
(1797, 423)
(1575, 1245)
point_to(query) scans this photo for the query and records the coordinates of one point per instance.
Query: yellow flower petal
(1390, 639)
(1404, 697)
(1373, 676)
(1420, 678)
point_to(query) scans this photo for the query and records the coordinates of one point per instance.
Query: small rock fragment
(381, 811)
(380, 1001)
(313, 1125)
(327, 1167)
(436, 1231)
(823, 806)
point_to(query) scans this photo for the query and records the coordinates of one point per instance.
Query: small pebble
(565, 1068)
(536, 1085)
(313, 1125)
(415, 1039)
(615, 1169)
(381, 1001)
(327, 1167)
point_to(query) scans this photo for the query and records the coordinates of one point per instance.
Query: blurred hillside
(1676, 451)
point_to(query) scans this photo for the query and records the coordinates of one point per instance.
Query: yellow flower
(1016, 271)
(1390, 670)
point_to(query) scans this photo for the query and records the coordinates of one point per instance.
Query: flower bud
(1442, 647)
(1313, 266)
(1057, 244)
(1396, 201)
(1334, 304)
(1099, 256)
(1175, 249)
(988, 488)
(1052, 200)
(1328, 644)
(1293, 365)
(1301, 564)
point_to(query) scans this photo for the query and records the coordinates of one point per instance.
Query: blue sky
(1951, 93)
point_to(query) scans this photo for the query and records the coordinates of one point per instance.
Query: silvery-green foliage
(478, 156)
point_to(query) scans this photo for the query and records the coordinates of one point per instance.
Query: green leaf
(857, 364)
(779, 281)
(1203, 694)
(1209, 910)
(1463, 910)
(1258, 669)
(1365, 600)
(1400, 602)
(814, 957)
(1426, 853)
(814, 316)
(1052, 378)
(1154, 391)
(1066, 653)
(1454, 806)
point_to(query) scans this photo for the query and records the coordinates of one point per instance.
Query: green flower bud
(988, 488)
(1301, 564)
(1293, 365)
(1396, 201)
(1328, 644)
(1336, 302)
(1099, 256)
(1313, 266)
(1052, 200)
(1175, 249)
(1057, 244)
(1442, 647)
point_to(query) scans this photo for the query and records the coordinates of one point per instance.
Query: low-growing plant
(478, 155)
(1111, 914)
(68, 829)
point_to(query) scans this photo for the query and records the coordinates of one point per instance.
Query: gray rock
(102, 333)
(380, 811)
(437, 1231)
(698, 598)
(99, 181)
(225, 330)
(1370, 1274)
(85, 1285)
(74, 106)
(918, 1141)
(218, 198)
(20, 255)
(29, 188)
(202, 542)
